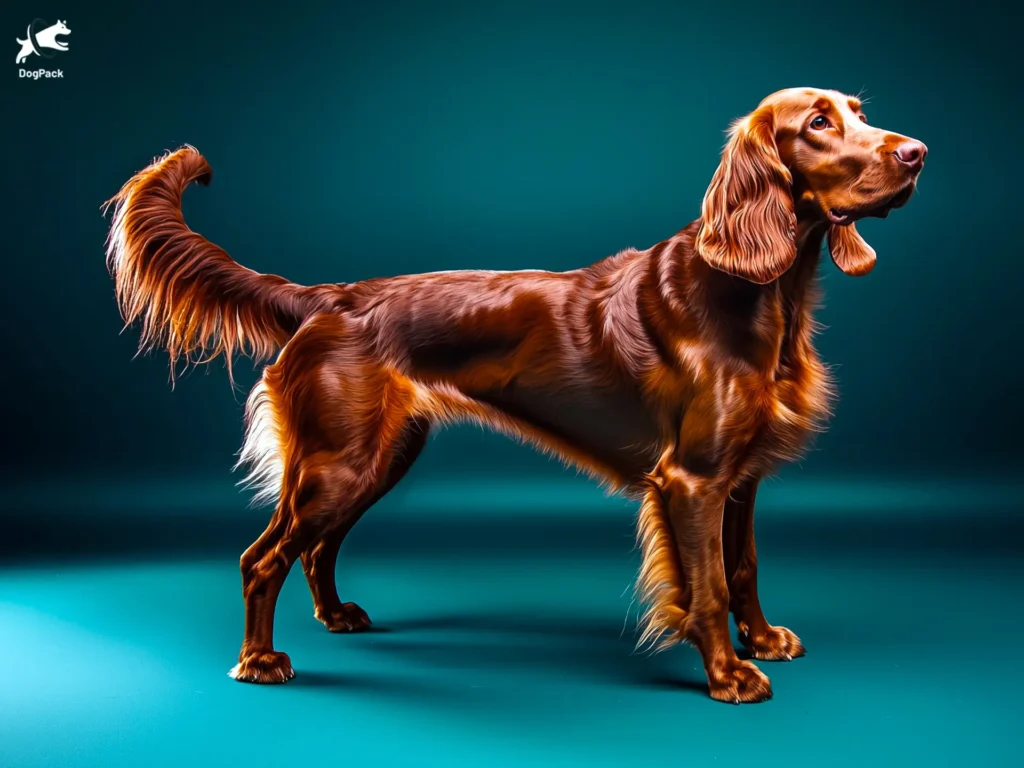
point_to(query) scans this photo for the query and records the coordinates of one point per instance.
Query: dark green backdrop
(359, 139)
(353, 140)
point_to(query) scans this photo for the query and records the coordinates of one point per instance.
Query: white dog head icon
(60, 28)
(39, 38)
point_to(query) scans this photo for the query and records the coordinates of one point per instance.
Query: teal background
(357, 140)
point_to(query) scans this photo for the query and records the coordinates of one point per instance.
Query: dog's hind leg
(307, 496)
(307, 512)
(319, 561)
(314, 489)
(326, 423)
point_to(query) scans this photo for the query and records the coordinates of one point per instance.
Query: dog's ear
(748, 224)
(849, 251)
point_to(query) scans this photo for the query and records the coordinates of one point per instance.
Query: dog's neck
(798, 280)
(808, 232)
(798, 290)
(767, 325)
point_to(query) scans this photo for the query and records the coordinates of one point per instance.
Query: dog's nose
(912, 154)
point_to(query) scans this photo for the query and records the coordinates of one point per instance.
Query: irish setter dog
(681, 374)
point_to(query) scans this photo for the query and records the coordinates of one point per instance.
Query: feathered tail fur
(190, 296)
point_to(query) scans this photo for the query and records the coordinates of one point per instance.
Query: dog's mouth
(879, 210)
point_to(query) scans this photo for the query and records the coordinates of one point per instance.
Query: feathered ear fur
(748, 224)
(849, 251)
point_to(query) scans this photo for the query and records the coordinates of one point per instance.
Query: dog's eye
(863, 118)
(819, 123)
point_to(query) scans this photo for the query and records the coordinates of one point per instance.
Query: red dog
(681, 374)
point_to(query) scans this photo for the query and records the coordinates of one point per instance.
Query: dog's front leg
(695, 506)
(762, 639)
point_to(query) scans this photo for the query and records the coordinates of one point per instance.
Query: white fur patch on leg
(262, 448)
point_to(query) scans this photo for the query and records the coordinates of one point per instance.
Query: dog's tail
(191, 297)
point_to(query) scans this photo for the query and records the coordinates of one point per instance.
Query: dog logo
(42, 41)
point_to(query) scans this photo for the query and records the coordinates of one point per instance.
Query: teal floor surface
(505, 640)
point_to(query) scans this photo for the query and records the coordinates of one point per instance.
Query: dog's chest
(776, 414)
(778, 391)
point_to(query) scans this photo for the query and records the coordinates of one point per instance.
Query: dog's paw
(267, 668)
(774, 644)
(739, 682)
(348, 617)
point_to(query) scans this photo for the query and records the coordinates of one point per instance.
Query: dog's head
(803, 154)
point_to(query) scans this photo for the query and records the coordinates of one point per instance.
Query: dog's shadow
(544, 644)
